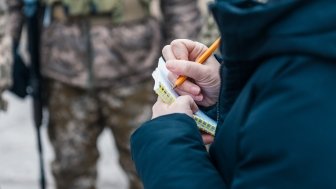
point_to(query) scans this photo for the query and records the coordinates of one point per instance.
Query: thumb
(193, 106)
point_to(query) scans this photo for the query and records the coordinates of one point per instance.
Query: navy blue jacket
(276, 111)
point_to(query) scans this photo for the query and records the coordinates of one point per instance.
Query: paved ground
(18, 153)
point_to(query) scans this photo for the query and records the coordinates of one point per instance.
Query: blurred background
(18, 146)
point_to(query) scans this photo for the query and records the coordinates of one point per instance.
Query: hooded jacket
(276, 111)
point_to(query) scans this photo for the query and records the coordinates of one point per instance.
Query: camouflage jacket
(90, 52)
(209, 32)
(6, 16)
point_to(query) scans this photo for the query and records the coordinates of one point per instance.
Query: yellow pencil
(201, 59)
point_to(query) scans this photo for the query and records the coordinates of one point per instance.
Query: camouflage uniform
(77, 117)
(99, 75)
(5, 51)
(9, 13)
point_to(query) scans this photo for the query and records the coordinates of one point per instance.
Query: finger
(207, 138)
(190, 69)
(193, 106)
(191, 103)
(159, 100)
(172, 77)
(180, 49)
(167, 53)
(158, 103)
(197, 97)
(155, 105)
(185, 49)
(187, 86)
(158, 106)
(197, 51)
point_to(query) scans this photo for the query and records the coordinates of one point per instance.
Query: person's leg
(124, 110)
(73, 131)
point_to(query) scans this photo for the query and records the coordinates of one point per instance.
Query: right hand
(204, 85)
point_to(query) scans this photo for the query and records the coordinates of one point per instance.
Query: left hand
(182, 104)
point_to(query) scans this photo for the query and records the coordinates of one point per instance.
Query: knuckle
(187, 68)
(180, 100)
(208, 70)
(199, 48)
(186, 98)
(154, 108)
(175, 42)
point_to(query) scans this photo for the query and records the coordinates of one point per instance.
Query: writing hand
(204, 83)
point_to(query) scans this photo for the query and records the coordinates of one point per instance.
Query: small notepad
(163, 88)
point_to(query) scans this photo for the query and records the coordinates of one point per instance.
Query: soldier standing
(10, 19)
(5, 53)
(97, 57)
(209, 32)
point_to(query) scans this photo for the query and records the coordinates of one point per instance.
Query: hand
(204, 80)
(182, 104)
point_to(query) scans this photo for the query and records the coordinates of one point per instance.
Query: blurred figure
(97, 57)
(5, 49)
(10, 19)
(209, 31)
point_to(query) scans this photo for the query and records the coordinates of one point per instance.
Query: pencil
(201, 59)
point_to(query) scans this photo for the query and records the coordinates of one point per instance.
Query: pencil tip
(174, 86)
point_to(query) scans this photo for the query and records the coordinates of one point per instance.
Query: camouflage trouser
(77, 117)
(5, 60)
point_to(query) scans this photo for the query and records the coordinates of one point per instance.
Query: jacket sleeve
(181, 19)
(169, 154)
